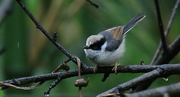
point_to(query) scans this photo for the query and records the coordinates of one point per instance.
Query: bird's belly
(104, 58)
(107, 59)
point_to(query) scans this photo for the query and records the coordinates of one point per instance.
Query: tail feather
(133, 22)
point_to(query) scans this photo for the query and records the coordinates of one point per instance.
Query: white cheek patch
(103, 47)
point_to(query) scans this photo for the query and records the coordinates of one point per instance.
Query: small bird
(107, 47)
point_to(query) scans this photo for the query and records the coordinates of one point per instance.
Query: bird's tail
(133, 22)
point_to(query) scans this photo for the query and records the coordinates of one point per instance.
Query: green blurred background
(28, 52)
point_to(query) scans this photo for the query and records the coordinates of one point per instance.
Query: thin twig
(40, 83)
(161, 29)
(61, 48)
(166, 32)
(60, 66)
(172, 17)
(156, 54)
(79, 67)
(93, 4)
(79, 76)
(17, 87)
(53, 84)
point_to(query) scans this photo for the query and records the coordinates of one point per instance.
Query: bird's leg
(95, 68)
(115, 67)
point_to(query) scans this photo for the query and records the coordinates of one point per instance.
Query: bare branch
(53, 84)
(174, 49)
(165, 91)
(169, 68)
(134, 82)
(164, 45)
(172, 17)
(61, 48)
(93, 4)
(166, 32)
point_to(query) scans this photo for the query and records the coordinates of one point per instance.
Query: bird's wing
(114, 37)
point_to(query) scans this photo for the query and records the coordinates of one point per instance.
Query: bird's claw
(115, 67)
(95, 68)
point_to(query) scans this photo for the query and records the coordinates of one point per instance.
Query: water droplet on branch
(165, 78)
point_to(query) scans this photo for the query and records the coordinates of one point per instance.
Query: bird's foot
(95, 68)
(115, 67)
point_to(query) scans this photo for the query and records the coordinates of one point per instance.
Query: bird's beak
(86, 47)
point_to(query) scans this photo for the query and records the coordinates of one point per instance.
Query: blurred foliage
(29, 52)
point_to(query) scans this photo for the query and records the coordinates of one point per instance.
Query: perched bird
(107, 47)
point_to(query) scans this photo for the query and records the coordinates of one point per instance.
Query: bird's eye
(94, 47)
